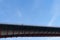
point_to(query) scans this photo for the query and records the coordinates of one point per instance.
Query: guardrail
(10, 30)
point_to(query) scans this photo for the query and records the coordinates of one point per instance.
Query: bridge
(11, 30)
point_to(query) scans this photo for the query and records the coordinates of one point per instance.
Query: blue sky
(30, 12)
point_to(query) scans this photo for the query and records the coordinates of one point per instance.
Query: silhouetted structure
(10, 30)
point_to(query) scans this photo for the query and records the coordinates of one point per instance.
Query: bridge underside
(9, 30)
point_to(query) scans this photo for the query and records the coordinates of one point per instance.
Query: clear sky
(30, 12)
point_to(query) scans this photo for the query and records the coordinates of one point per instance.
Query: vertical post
(7, 30)
(0, 32)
